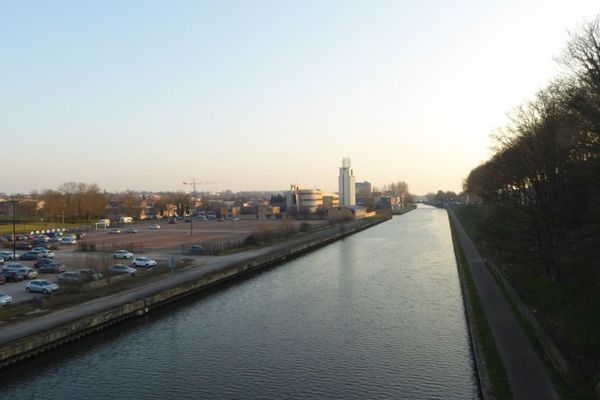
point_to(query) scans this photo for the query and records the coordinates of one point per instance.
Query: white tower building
(347, 184)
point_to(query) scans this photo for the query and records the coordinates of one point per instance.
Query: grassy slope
(569, 311)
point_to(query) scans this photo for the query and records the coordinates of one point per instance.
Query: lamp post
(14, 238)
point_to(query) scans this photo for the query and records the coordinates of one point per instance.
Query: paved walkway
(527, 374)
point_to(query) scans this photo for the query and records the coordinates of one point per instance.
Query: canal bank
(28, 338)
(495, 326)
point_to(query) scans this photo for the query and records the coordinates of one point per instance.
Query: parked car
(42, 239)
(40, 262)
(28, 273)
(83, 275)
(23, 246)
(22, 237)
(68, 240)
(46, 254)
(154, 226)
(41, 286)
(5, 299)
(12, 276)
(144, 262)
(87, 275)
(114, 231)
(2, 280)
(69, 277)
(196, 249)
(122, 269)
(131, 230)
(52, 268)
(8, 255)
(38, 249)
(30, 255)
(13, 267)
(124, 254)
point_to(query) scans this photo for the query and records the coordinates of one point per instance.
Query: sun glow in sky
(143, 95)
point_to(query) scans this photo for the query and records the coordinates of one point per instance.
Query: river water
(378, 315)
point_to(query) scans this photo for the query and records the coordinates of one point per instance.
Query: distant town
(76, 202)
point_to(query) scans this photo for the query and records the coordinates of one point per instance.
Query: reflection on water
(377, 315)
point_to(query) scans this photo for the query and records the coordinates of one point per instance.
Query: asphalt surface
(157, 244)
(527, 374)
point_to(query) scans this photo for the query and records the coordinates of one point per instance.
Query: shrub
(252, 240)
(305, 227)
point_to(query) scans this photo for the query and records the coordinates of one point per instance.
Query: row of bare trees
(397, 189)
(546, 165)
(75, 201)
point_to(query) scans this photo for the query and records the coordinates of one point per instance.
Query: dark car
(40, 262)
(52, 268)
(2, 280)
(12, 276)
(23, 246)
(196, 249)
(81, 235)
(30, 255)
(69, 277)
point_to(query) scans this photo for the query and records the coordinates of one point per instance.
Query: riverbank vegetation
(538, 203)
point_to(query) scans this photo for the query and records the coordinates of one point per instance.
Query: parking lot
(157, 244)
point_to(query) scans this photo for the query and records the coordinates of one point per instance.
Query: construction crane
(193, 183)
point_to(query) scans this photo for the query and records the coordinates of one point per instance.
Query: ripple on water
(377, 315)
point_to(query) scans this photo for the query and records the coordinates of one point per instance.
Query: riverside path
(527, 375)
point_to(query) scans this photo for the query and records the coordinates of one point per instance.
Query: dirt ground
(177, 236)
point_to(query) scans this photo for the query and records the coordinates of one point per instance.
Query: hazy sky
(260, 94)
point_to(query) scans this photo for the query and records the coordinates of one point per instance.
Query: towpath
(527, 375)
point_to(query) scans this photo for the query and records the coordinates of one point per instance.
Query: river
(378, 315)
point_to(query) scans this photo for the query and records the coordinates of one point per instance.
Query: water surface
(378, 315)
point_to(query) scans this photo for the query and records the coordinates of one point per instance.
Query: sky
(258, 95)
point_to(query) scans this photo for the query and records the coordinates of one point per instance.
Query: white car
(68, 240)
(46, 253)
(5, 299)
(41, 286)
(144, 262)
(124, 254)
(154, 226)
(114, 231)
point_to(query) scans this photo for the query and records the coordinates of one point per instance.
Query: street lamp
(14, 238)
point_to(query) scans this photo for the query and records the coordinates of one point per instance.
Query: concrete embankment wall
(38, 342)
